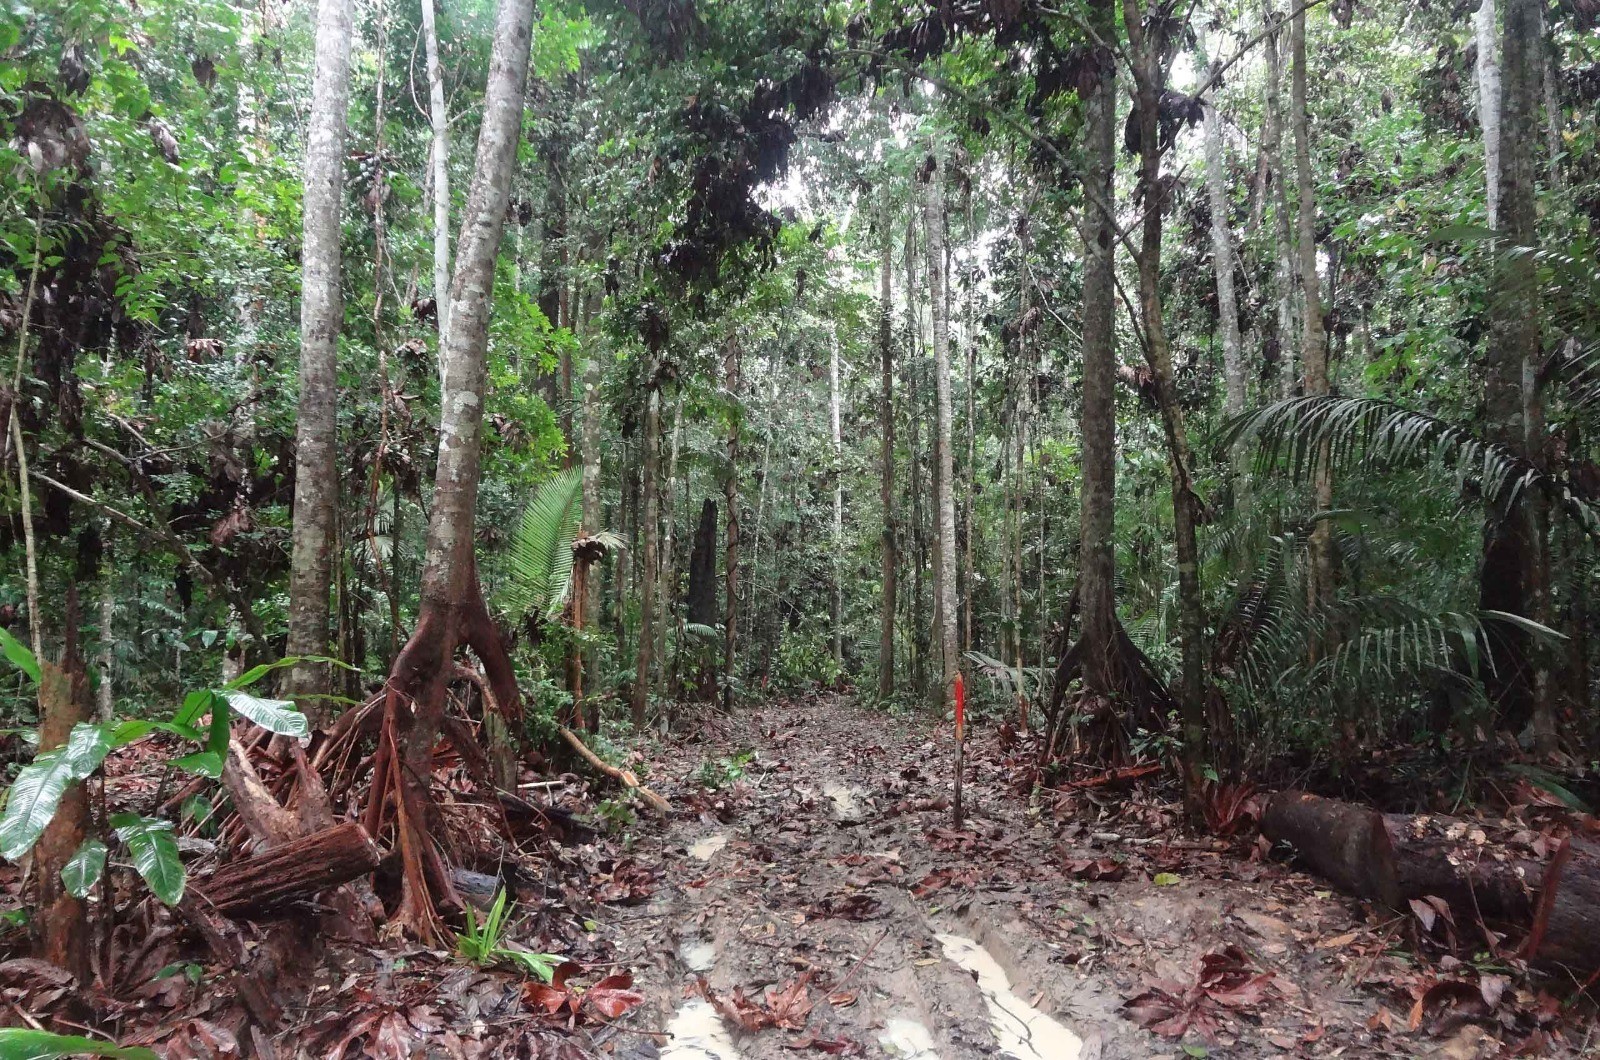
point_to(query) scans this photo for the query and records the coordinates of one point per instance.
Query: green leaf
(82, 871)
(1167, 879)
(155, 853)
(539, 561)
(278, 716)
(260, 670)
(19, 655)
(209, 762)
(40, 785)
(23, 1043)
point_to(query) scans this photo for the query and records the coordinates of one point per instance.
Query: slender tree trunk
(669, 559)
(1513, 576)
(1284, 270)
(316, 484)
(1097, 511)
(592, 512)
(730, 488)
(651, 485)
(452, 610)
(1485, 26)
(1314, 340)
(933, 224)
(836, 472)
(919, 548)
(1223, 264)
(970, 583)
(439, 124)
(1149, 76)
(886, 491)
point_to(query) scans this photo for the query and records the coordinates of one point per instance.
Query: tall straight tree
(316, 483)
(886, 491)
(1313, 338)
(730, 489)
(944, 470)
(1097, 553)
(645, 649)
(452, 610)
(1222, 265)
(1512, 573)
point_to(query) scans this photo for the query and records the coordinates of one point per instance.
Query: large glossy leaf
(40, 785)
(24, 1043)
(155, 853)
(82, 870)
(277, 716)
(19, 655)
(209, 762)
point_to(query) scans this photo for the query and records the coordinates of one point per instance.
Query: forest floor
(810, 895)
(821, 899)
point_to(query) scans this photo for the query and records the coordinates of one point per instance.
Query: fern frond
(539, 559)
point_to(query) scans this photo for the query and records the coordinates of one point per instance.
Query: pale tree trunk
(438, 123)
(968, 637)
(836, 473)
(316, 483)
(105, 695)
(1554, 118)
(1314, 340)
(1222, 262)
(644, 656)
(933, 225)
(730, 490)
(1485, 28)
(669, 560)
(1513, 575)
(886, 492)
(919, 662)
(591, 467)
(1149, 76)
(1097, 551)
(452, 610)
(1283, 269)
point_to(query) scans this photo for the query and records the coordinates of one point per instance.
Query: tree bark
(1486, 30)
(439, 158)
(1097, 553)
(316, 484)
(63, 703)
(1284, 272)
(836, 473)
(669, 558)
(730, 488)
(933, 224)
(1222, 261)
(1314, 340)
(452, 610)
(702, 601)
(645, 649)
(297, 869)
(886, 491)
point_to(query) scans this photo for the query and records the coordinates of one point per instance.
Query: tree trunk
(1512, 571)
(836, 472)
(592, 512)
(702, 600)
(1486, 29)
(1097, 564)
(297, 869)
(886, 491)
(969, 582)
(452, 610)
(933, 224)
(63, 703)
(316, 483)
(439, 124)
(1149, 76)
(1223, 264)
(1284, 271)
(669, 558)
(645, 648)
(1314, 340)
(919, 549)
(730, 487)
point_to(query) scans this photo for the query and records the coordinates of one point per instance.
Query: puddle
(845, 806)
(697, 955)
(697, 1033)
(1022, 1030)
(907, 1040)
(705, 849)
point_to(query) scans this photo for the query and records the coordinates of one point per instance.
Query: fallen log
(625, 777)
(1396, 858)
(292, 870)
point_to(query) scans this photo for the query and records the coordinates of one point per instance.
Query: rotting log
(1348, 845)
(625, 777)
(290, 871)
(1566, 926)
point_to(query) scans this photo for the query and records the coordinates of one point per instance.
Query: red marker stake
(961, 738)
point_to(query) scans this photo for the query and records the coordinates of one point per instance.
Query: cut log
(296, 869)
(1453, 859)
(1348, 845)
(1566, 929)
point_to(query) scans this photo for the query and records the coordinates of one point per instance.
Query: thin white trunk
(933, 224)
(1222, 261)
(838, 503)
(1486, 29)
(438, 121)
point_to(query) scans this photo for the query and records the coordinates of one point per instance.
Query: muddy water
(1021, 1030)
(698, 1033)
(907, 1039)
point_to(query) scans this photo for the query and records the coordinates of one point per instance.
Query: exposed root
(1138, 699)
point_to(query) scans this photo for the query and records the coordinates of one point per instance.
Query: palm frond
(539, 559)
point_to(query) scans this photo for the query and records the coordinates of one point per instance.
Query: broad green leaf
(209, 762)
(277, 716)
(19, 655)
(155, 853)
(82, 871)
(24, 1043)
(40, 785)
